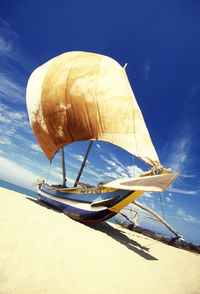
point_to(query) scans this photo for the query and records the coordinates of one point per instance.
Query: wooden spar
(63, 168)
(83, 164)
(158, 217)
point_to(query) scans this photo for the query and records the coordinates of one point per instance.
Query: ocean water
(17, 188)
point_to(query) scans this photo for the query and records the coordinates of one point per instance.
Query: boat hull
(81, 215)
(74, 206)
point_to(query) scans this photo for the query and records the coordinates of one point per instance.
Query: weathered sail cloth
(84, 96)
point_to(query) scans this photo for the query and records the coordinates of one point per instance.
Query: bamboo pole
(158, 217)
(63, 168)
(83, 164)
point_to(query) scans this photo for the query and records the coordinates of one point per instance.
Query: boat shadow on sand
(120, 237)
(110, 231)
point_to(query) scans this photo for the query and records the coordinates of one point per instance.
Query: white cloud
(12, 78)
(98, 174)
(147, 195)
(179, 155)
(181, 191)
(178, 152)
(5, 47)
(186, 217)
(8, 40)
(116, 169)
(77, 157)
(4, 119)
(112, 175)
(119, 169)
(180, 161)
(36, 147)
(13, 121)
(55, 176)
(11, 89)
(187, 176)
(114, 158)
(110, 162)
(98, 147)
(5, 141)
(134, 170)
(14, 173)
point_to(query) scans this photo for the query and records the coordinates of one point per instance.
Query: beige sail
(84, 96)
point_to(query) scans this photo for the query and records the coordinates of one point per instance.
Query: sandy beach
(44, 251)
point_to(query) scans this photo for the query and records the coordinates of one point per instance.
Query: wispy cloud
(55, 176)
(178, 156)
(187, 176)
(98, 174)
(115, 167)
(36, 147)
(5, 140)
(98, 147)
(11, 89)
(11, 171)
(181, 191)
(8, 40)
(12, 120)
(148, 195)
(13, 64)
(118, 169)
(76, 156)
(108, 161)
(183, 215)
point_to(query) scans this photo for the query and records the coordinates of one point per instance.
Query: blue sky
(160, 41)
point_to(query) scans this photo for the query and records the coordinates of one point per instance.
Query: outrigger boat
(80, 96)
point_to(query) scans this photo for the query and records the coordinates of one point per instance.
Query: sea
(18, 189)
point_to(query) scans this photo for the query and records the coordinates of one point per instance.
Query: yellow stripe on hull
(116, 208)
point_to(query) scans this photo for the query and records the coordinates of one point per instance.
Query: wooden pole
(63, 168)
(158, 217)
(83, 164)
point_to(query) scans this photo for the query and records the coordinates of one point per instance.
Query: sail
(80, 96)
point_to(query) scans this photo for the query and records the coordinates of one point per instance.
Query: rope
(161, 206)
(48, 171)
(133, 159)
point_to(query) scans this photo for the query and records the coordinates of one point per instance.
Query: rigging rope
(133, 159)
(161, 206)
(48, 171)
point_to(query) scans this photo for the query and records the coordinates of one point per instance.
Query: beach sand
(44, 251)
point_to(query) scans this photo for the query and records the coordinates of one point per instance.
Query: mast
(63, 168)
(83, 164)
